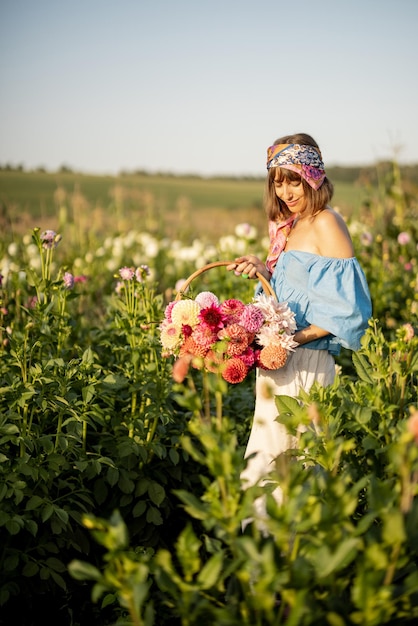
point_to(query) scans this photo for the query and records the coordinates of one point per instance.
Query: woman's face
(291, 192)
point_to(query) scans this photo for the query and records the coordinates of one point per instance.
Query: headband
(304, 160)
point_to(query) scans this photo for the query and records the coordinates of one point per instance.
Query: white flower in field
(79, 262)
(13, 249)
(36, 263)
(100, 251)
(112, 265)
(26, 240)
(129, 239)
(32, 251)
(150, 245)
(227, 243)
(265, 243)
(355, 228)
(89, 257)
(246, 231)
(190, 253)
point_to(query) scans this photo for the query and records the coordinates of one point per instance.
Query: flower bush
(228, 337)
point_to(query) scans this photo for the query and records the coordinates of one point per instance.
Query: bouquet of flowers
(230, 338)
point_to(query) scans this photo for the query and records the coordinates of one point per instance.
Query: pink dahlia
(236, 337)
(232, 308)
(168, 309)
(213, 317)
(234, 371)
(206, 299)
(204, 335)
(248, 357)
(252, 318)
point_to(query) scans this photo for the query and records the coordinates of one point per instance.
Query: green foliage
(342, 548)
(109, 465)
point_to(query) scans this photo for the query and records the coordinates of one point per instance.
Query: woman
(311, 266)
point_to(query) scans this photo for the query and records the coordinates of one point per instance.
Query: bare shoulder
(332, 234)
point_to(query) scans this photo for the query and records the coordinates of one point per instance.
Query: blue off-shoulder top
(331, 293)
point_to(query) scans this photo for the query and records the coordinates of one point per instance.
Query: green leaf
(326, 563)
(139, 508)
(154, 516)
(210, 574)
(115, 382)
(363, 368)
(156, 492)
(34, 503)
(30, 569)
(83, 571)
(192, 505)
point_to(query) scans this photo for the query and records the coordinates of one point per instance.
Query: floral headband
(304, 160)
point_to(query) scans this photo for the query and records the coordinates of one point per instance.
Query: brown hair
(318, 200)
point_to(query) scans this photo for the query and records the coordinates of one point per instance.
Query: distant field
(172, 205)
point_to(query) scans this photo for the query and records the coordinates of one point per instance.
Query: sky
(205, 86)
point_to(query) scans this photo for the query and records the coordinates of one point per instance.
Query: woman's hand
(248, 267)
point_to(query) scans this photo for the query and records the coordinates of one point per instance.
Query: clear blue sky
(205, 86)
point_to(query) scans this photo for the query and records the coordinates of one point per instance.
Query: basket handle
(268, 289)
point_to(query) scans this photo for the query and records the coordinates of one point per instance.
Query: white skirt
(268, 438)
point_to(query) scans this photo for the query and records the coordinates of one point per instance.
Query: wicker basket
(268, 290)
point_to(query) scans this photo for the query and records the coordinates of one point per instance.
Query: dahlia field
(120, 496)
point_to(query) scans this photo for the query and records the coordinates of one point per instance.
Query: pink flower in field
(179, 284)
(407, 331)
(126, 273)
(68, 280)
(366, 239)
(50, 239)
(408, 267)
(404, 238)
(32, 302)
(80, 279)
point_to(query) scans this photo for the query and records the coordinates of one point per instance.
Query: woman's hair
(318, 200)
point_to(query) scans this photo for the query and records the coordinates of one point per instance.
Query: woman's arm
(310, 333)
